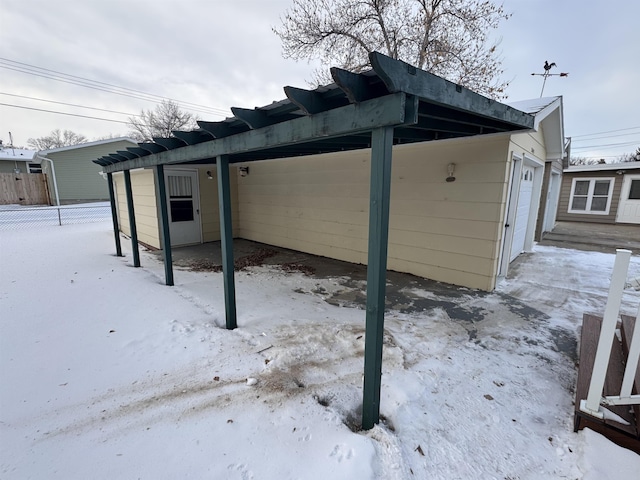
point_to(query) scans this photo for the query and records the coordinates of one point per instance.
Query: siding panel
(209, 206)
(445, 231)
(145, 206)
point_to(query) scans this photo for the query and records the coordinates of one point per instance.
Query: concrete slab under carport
(472, 308)
(477, 311)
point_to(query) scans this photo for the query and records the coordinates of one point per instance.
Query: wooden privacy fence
(23, 189)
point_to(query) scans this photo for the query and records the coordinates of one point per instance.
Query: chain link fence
(13, 217)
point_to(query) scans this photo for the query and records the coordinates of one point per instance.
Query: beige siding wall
(565, 195)
(445, 231)
(145, 206)
(531, 144)
(78, 177)
(121, 203)
(210, 213)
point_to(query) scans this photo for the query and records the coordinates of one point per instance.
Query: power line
(602, 133)
(610, 145)
(69, 104)
(49, 77)
(34, 67)
(606, 136)
(101, 86)
(27, 68)
(63, 113)
(138, 97)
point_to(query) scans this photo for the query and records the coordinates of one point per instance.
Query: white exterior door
(522, 212)
(183, 205)
(629, 206)
(552, 203)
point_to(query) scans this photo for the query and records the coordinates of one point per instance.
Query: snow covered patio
(405, 293)
(107, 373)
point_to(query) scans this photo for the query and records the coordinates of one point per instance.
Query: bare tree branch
(629, 157)
(160, 122)
(450, 38)
(56, 139)
(586, 161)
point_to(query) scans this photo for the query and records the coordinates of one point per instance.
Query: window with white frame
(634, 190)
(591, 195)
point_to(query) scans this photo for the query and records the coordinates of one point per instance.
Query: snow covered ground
(106, 373)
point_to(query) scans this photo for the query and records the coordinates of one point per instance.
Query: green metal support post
(114, 214)
(132, 219)
(164, 218)
(226, 240)
(380, 190)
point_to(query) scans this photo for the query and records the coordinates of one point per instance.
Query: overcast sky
(223, 53)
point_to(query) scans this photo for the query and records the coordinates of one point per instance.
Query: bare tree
(449, 38)
(160, 122)
(584, 161)
(629, 157)
(56, 139)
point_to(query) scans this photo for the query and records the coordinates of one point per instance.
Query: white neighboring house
(18, 160)
(21, 178)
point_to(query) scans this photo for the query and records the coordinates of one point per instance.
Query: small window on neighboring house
(35, 168)
(591, 195)
(634, 191)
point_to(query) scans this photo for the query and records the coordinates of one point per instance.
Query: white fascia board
(88, 144)
(600, 167)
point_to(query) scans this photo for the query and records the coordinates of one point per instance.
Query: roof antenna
(547, 73)
(11, 144)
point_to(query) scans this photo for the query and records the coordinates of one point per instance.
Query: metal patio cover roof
(337, 117)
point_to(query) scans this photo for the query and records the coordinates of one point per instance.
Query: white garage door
(629, 208)
(522, 212)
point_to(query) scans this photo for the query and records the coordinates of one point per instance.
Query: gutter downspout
(53, 174)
